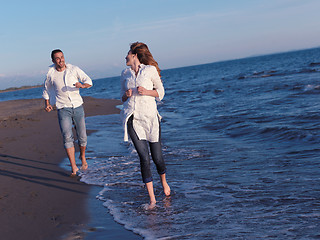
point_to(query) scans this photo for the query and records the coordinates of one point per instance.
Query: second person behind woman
(140, 87)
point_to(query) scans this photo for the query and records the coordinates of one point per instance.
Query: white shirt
(59, 86)
(144, 108)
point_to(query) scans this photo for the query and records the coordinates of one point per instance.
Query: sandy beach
(38, 199)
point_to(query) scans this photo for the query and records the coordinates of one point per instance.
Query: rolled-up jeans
(69, 117)
(143, 152)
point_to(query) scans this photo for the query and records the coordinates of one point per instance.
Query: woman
(140, 86)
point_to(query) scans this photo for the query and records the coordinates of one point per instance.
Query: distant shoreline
(12, 89)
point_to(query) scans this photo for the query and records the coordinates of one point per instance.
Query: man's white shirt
(59, 87)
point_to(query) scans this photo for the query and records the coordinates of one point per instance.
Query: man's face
(58, 60)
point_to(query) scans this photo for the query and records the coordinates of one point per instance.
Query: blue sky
(95, 35)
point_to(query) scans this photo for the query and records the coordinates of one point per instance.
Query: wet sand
(38, 199)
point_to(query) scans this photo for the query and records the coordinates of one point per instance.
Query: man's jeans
(67, 117)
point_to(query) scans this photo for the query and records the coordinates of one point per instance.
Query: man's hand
(48, 108)
(81, 85)
(78, 85)
(47, 105)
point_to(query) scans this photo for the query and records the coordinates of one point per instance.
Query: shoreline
(38, 199)
(12, 89)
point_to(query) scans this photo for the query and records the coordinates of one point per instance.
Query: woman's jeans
(143, 152)
(67, 117)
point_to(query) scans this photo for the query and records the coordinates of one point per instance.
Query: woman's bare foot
(151, 205)
(166, 188)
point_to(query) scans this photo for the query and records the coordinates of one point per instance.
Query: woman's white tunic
(143, 108)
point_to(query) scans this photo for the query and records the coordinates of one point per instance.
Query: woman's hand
(142, 91)
(145, 92)
(126, 95)
(129, 93)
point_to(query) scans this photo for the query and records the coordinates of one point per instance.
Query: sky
(95, 35)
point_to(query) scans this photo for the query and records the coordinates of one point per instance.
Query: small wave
(184, 91)
(261, 74)
(286, 133)
(272, 73)
(314, 64)
(310, 87)
(125, 184)
(182, 236)
(307, 71)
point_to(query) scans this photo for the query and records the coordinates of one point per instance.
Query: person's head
(141, 51)
(57, 58)
(132, 59)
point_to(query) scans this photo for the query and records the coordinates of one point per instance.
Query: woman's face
(130, 58)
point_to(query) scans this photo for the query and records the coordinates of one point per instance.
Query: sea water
(241, 143)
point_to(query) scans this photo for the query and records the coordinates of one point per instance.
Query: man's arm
(45, 94)
(48, 106)
(85, 80)
(82, 85)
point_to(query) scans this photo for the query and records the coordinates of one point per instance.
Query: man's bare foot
(74, 172)
(84, 166)
(84, 162)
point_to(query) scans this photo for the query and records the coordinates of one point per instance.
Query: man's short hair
(54, 52)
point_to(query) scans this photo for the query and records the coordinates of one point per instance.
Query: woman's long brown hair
(144, 55)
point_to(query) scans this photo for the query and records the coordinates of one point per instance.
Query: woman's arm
(158, 90)
(126, 95)
(143, 91)
(157, 84)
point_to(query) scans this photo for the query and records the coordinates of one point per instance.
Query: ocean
(241, 143)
